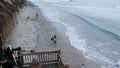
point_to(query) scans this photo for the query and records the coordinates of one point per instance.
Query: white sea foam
(89, 52)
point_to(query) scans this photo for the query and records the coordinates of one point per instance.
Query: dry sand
(35, 34)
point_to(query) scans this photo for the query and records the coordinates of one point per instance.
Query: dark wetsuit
(7, 64)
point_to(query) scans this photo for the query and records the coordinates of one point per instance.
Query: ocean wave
(115, 35)
(88, 51)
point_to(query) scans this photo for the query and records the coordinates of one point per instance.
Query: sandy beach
(35, 34)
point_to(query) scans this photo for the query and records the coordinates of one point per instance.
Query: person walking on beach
(54, 40)
(27, 18)
(36, 15)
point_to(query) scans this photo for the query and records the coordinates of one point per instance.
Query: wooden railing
(17, 53)
(42, 57)
(60, 62)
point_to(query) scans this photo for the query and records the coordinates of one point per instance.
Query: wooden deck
(50, 65)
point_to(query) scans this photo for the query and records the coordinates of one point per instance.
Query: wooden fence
(42, 57)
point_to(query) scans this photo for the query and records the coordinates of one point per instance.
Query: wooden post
(1, 43)
(58, 54)
(58, 51)
(21, 61)
(66, 66)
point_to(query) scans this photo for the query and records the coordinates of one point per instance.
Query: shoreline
(78, 52)
(61, 30)
(41, 31)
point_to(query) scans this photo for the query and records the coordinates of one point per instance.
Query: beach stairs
(48, 59)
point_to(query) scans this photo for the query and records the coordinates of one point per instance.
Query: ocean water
(93, 29)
